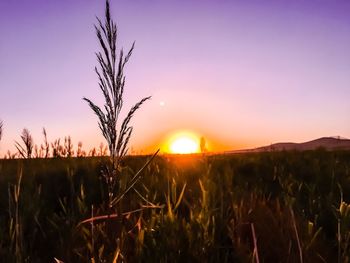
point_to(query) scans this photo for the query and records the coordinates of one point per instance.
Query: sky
(241, 74)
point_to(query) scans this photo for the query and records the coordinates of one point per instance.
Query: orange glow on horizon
(163, 141)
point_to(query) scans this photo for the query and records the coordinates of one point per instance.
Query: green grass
(184, 209)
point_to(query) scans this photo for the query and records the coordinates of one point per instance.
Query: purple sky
(240, 73)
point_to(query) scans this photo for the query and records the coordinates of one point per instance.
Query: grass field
(257, 207)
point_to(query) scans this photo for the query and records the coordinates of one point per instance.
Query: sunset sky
(240, 73)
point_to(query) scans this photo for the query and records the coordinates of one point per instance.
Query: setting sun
(183, 143)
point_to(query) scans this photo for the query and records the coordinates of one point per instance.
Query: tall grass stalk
(111, 82)
(255, 253)
(297, 236)
(26, 150)
(339, 240)
(15, 227)
(46, 144)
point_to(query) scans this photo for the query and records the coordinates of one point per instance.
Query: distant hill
(329, 143)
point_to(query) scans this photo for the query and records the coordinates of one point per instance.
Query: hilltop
(329, 143)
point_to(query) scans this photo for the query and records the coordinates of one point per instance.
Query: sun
(184, 144)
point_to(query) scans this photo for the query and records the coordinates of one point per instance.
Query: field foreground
(267, 207)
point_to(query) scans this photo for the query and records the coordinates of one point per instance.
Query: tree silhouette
(203, 145)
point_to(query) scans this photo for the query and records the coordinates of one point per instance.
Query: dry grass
(264, 207)
(26, 150)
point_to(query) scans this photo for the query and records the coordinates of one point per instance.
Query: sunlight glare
(184, 145)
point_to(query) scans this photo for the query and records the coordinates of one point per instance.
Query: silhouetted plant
(56, 148)
(111, 82)
(80, 152)
(26, 150)
(36, 151)
(10, 155)
(46, 146)
(68, 147)
(102, 150)
(92, 152)
(15, 226)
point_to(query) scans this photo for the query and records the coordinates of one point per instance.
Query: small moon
(162, 103)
